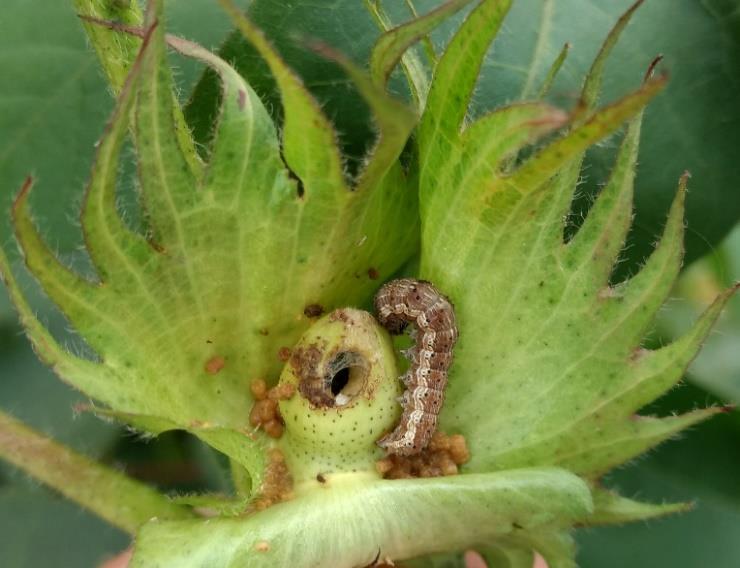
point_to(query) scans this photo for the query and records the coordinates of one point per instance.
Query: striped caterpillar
(407, 301)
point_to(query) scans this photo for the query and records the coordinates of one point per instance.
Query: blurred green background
(54, 102)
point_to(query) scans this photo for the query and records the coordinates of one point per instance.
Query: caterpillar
(399, 303)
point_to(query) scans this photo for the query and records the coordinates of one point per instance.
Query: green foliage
(538, 317)
(274, 214)
(372, 515)
(701, 467)
(699, 42)
(701, 54)
(192, 289)
(717, 368)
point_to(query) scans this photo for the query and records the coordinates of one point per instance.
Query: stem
(120, 500)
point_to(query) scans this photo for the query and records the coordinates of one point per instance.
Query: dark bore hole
(346, 376)
(339, 381)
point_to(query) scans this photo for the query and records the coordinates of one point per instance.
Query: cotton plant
(257, 268)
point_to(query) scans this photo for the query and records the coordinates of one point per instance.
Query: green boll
(345, 374)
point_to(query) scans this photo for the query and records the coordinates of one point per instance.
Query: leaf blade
(492, 498)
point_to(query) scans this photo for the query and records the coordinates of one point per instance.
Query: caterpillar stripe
(417, 302)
